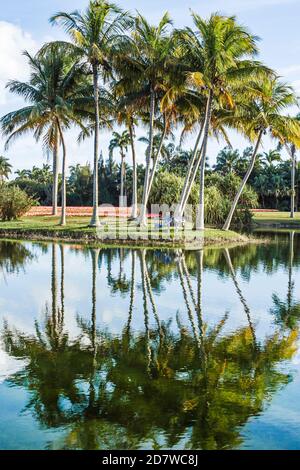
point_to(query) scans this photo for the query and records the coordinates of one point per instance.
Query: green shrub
(219, 194)
(215, 206)
(14, 202)
(166, 189)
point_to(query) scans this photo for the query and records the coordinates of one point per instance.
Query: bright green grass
(77, 227)
(265, 218)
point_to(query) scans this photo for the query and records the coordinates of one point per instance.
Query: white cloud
(290, 70)
(296, 85)
(13, 40)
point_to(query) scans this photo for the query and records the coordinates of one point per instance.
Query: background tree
(5, 169)
(121, 142)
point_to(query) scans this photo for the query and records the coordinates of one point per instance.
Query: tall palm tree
(218, 53)
(146, 59)
(126, 113)
(93, 34)
(57, 93)
(291, 149)
(260, 115)
(121, 142)
(5, 168)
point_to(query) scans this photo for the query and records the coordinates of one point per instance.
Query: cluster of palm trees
(118, 68)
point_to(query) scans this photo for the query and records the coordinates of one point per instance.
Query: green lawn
(77, 230)
(271, 218)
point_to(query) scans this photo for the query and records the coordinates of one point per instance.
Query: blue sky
(24, 24)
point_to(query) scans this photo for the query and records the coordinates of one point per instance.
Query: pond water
(153, 349)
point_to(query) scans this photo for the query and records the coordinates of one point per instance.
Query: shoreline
(209, 239)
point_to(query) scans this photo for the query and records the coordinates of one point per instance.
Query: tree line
(118, 69)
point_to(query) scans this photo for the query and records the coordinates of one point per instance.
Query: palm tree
(5, 168)
(146, 58)
(56, 91)
(94, 34)
(227, 161)
(271, 157)
(291, 149)
(121, 142)
(260, 115)
(126, 115)
(218, 55)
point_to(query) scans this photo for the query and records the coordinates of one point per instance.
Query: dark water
(122, 349)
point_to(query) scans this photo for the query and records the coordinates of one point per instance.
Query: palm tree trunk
(122, 180)
(143, 216)
(95, 217)
(63, 183)
(156, 158)
(243, 184)
(204, 145)
(190, 168)
(293, 177)
(55, 176)
(201, 195)
(193, 177)
(203, 157)
(134, 173)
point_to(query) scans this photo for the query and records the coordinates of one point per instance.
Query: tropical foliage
(120, 71)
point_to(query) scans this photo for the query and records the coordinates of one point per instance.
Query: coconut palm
(218, 54)
(227, 160)
(291, 150)
(270, 157)
(94, 33)
(57, 93)
(5, 168)
(126, 115)
(146, 58)
(121, 142)
(260, 115)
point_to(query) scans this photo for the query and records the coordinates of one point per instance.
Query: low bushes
(14, 202)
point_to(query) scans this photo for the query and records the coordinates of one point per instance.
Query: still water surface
(155, 349)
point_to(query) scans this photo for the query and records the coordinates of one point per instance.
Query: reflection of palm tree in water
(187, 302)
(122, 406)
(13, 256)
(287, 312)
(55, 321)
(240, 294)
(95, 259)
(120, 282)
(142, 256)
(132, 292)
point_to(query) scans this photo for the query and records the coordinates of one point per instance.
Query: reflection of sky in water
(24, 295)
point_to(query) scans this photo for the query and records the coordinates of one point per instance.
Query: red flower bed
(265, 210)
(82, 211)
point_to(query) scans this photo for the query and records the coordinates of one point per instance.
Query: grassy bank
(114, 232)
(276, 220)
